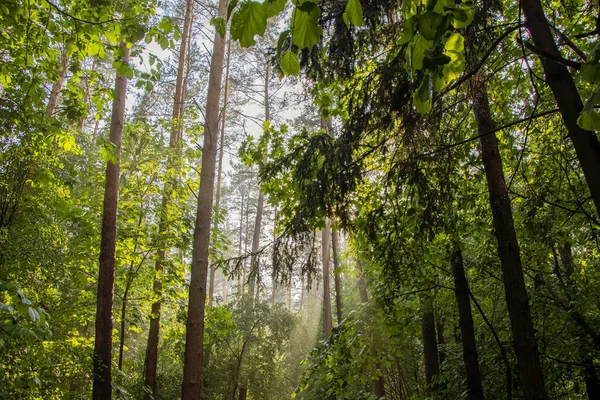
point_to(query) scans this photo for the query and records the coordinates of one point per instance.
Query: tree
(192, 367)
(174, 159)
(467, 330)
(106, 273)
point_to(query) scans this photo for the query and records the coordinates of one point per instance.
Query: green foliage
(249, 20)
(290, 64)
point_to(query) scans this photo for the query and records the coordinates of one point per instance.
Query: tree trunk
(379, 383)
(151, 359)
(465, 316)
(58, 85)
(336, 275)
(327, 319)
(123, 315)
(508, 249)
(211, 286)
(254, 267)
(254, 259)
(441, 339)
(430, 351)
(567, 97)
(243, 393)
(102, 358)
(566, 257)
(592, 385)
(192, 367)
(362, 285)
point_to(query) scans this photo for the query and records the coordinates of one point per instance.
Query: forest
(306, 199)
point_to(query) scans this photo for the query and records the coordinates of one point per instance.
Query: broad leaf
(306, 31)
(415, 53)
(429, 23)
(290, 64)
(248, 21)
(274, 7)
(422, 97)
(454, 48)
(354, 13)
(219, 24)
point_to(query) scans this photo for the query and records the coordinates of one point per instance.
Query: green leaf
(33, 314)
(165, 25)
(454, 48)
(108, 152)
(415, 53)
(589, 120)
(231, 7)
(290, 64)
(219, 24)
(354, 13)
(441, 6)
(274, 7)
(306, 31)
(409, 31)
(282, 38)
(249, 20)
(429, 23)
(462, 14)
(590, 72)
(422, 97)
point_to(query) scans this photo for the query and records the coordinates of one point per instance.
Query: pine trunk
(430, 350)
(151, 359)
(57, 86)
(336, 275)
(508, 249)
(254, 267)
(211, 286)
(192, 367)
(567, 97)
(327, 319)
(102, 359)
(470, 357)
(362, 285)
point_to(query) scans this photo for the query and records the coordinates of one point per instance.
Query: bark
(467, 329)
(591, 381)
(57, 86)
(211, 287)
(243, 393)
(327, 319)
(379, 383)
(525, 344)
(441, 339)
(241, 238)
(362, 286)
(192, 367)
(567, 97)
(254, 267)
(566, 257)
(151, 359)
(106, 274)
(430, 351)
(123, 315)
(336, 275)
(254, 259)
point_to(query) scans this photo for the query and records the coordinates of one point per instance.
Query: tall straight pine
(192, 366)
(102, 383)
